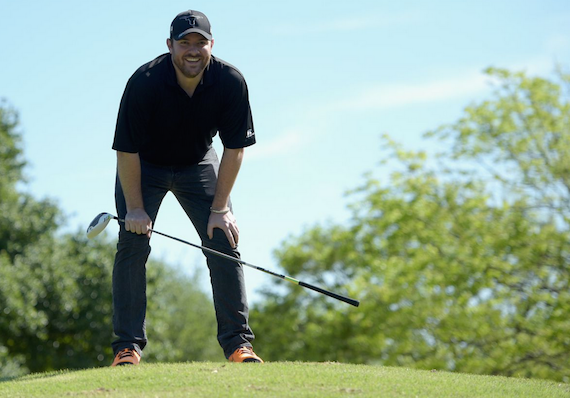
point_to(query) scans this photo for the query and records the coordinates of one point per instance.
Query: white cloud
(384, 96)
(285, 142)
(558, 43)
(462, 86)
(379, 96)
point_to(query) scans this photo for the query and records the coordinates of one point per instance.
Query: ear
(212, 45)
(169, 45)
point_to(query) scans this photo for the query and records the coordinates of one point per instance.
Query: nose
(193, 48)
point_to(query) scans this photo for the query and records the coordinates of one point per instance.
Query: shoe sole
(251, 360)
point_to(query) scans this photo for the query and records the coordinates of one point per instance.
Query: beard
(190, 70)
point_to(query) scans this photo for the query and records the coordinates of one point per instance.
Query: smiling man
(171, 110)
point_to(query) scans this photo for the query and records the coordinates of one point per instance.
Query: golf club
(100, 222)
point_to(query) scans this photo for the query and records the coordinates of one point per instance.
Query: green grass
(278, 379)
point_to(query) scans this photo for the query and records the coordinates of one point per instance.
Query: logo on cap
(191, 20)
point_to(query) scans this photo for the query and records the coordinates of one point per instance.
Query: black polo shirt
(158, 120)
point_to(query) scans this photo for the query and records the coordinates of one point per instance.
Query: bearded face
(191, 54)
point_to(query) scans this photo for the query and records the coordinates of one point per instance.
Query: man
(171, 109)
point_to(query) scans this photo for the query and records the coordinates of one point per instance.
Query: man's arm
(129, 170)
(227, 175)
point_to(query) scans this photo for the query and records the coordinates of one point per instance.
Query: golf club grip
(348, 300)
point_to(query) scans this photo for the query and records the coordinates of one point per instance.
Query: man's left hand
(227, 223)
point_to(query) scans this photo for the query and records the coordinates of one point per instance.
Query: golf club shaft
(347, 300)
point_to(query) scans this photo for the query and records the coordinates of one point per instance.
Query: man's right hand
(138, 222)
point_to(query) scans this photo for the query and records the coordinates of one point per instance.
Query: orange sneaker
(128, 356)
(244, 354)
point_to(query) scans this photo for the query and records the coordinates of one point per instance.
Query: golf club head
(98, 224)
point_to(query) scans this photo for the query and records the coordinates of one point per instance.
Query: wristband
(224, 211)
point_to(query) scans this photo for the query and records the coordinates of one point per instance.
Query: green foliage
(460, 263)
(11, 161)
(57, 307)
(10, 366)
(22, 218)
(181, 323)
(56, 298)
(520, 138)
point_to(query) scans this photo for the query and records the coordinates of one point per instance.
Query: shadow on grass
(36, 376)
(8, 378)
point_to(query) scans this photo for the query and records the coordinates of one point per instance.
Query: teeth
(192, 59)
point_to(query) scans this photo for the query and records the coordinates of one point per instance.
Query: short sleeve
(133, 119)
(236, 121)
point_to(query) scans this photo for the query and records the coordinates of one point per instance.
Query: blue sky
(326, 79)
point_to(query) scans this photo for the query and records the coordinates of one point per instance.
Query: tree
(56, 298)
(22, 218)
(461, 261)
(57, 305)
(11, 159)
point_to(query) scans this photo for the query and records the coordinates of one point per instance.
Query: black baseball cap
(190, 22)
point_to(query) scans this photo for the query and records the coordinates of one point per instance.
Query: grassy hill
(278, 379)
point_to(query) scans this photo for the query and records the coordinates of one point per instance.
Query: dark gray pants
(194, 187)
